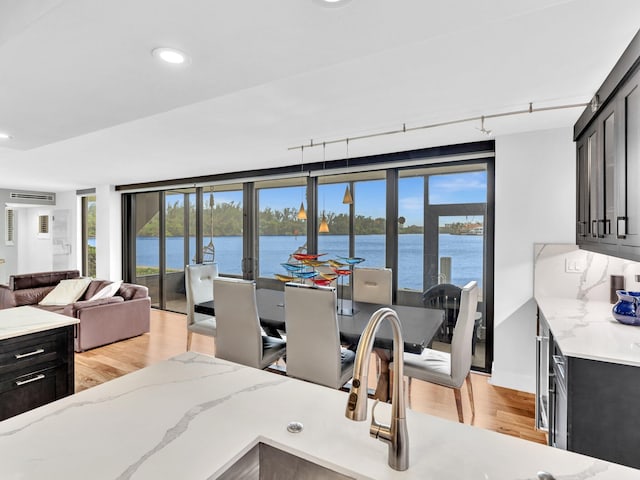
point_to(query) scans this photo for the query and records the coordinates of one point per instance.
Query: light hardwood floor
(498, 409)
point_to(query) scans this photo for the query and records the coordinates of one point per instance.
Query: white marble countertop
(190, 417)
(587, 329)
(18, 321)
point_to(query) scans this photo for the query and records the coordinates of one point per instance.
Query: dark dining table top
(419, 325)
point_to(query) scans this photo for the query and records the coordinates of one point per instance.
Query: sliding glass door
(442, 240)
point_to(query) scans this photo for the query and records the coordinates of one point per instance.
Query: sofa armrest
(7, 300)
(108, 323)
(73, 309)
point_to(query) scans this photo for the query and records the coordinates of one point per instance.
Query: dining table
(418, 324)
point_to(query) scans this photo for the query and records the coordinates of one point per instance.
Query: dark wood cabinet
(593, 408)
(35, 369)
(608, 164)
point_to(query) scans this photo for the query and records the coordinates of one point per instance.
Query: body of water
(466, 252)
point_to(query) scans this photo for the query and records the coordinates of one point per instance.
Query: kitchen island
(192, 416)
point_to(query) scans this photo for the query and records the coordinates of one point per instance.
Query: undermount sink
(264, 462)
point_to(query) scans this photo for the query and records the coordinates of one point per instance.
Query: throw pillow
(66, 292)
(108, 291)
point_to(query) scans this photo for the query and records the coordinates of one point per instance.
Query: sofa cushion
(94, 287)
(107, 291)
(40, 279)
(30, 296)
(130, 291)
(67, 291)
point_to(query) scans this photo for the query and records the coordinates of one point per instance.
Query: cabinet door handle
(621, 227)
(594, 228)
(40, 376)
(29, 354)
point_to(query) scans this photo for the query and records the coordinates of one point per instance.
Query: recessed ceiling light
(170, 55)
(5, 136)
(332, 3)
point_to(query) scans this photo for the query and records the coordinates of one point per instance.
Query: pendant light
(302, 213)
(324, 226)
(347, 199)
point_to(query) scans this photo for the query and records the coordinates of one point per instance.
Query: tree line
(225, 219)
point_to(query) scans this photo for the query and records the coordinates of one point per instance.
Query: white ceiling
(88, 105)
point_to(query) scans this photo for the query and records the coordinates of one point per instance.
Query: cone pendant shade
(348, 199)
(324, 226)
(302, 214)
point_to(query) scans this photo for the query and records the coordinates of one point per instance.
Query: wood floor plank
(499, 409)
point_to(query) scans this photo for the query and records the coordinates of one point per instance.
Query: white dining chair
(450, 369)
(239, 337)
(314, 353)
(199, 288)
(373, 285)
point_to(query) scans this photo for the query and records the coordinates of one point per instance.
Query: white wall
(108, 233)
(535, 203)
(35, 252)
(68, 203)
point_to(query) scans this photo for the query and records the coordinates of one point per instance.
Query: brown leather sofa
(102, 321)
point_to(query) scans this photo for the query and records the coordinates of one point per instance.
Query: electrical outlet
(572, 265)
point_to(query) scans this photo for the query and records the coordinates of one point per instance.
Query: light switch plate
(572, 265)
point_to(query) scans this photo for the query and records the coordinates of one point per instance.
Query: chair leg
(470, 390)
(189, 333)
(456, 393)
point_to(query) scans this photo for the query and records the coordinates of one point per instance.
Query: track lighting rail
(405, 129)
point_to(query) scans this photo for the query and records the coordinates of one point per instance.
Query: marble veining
(189, 358)
(585, 286)
(587, 329)
(183, 424)
(192, 416)
(571, 288)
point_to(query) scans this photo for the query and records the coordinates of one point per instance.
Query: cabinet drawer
(31, 351)
(28, 391)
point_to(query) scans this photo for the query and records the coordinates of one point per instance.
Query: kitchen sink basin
(264, 462)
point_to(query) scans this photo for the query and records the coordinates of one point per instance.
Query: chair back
(199, 286)
(239, 338)
(463, 333)
(313, 337)
(373, 285)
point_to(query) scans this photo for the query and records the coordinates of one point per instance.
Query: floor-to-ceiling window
(280, 231)
(146, 235)
(178, 245)
(354, 209)
(222, 238)
(89, 235)
(442, 214)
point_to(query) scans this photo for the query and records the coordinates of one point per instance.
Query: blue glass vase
(627, 310)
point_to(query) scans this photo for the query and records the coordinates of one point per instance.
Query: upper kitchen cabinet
(607, 137)
(628, 195)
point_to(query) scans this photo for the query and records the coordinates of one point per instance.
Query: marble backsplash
(566, 271)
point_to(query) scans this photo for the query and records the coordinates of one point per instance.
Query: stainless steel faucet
(394, 435)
